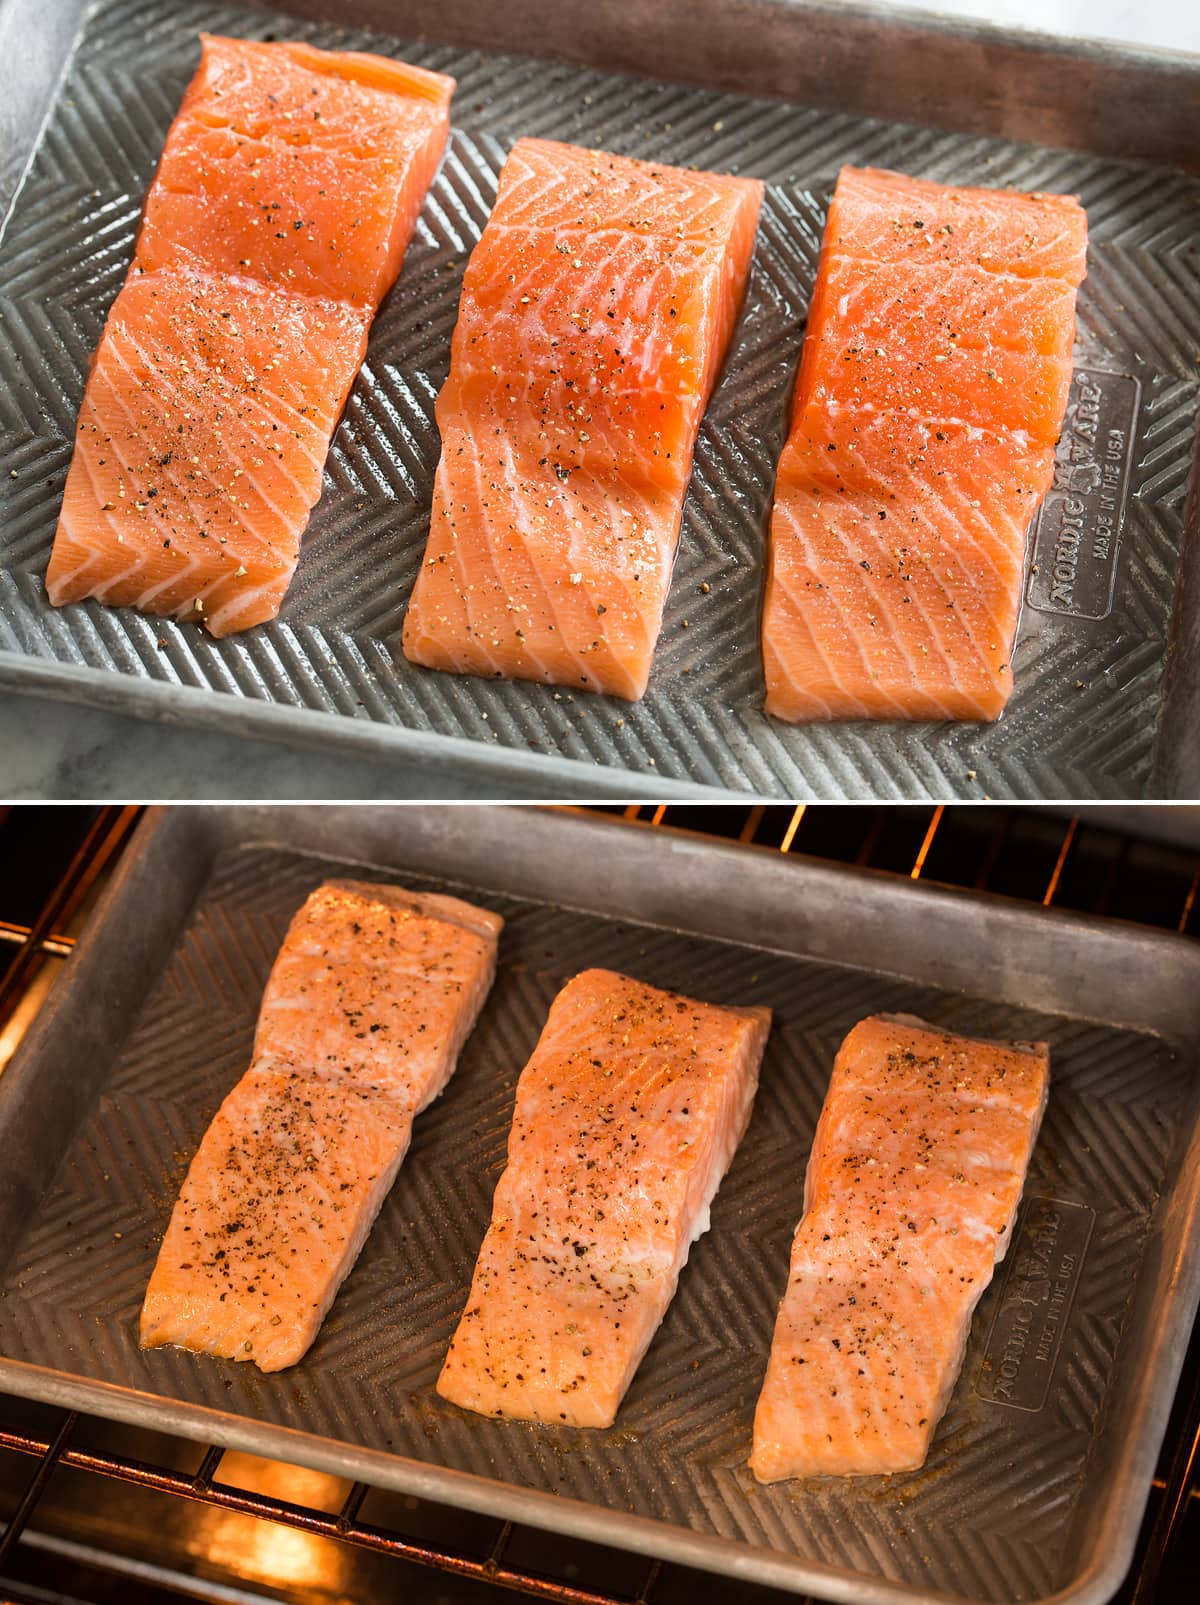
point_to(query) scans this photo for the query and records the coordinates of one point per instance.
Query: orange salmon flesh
(595, 315)
(286, 195)
(910, 1196)
(627, 1117)
(369, 1002)
(932, 389)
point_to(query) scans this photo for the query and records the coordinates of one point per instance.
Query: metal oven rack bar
(904, 840)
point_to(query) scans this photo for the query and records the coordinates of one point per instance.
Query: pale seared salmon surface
(932, 390)
(595, 315)
(367, 1007)
(286, 195)
(627, 1117)
(911, 1192)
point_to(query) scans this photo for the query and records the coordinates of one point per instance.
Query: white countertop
(1170, 24)
(52, 750)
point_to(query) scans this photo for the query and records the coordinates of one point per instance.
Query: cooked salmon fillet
(931, 392)
(595, 314)
(627, 1117)
(911, 1191)
(369, 1002)
(286, 195)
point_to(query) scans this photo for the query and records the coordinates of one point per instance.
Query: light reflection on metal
(22, 1016)
(1189, 903)
(17, 935)
(1060, 862)
(789, 834)
(753, 820)
(923, 851)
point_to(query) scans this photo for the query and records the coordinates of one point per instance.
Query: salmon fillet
(286, 195)
(595, 315)
(911, 1192)
(932, 389)
(627, 1117)
(369, 1002)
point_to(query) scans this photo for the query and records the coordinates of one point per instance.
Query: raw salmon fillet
(627, 1117)
(911, 1191)
(286, 195)
(595, 314)
(932, 390)
(369, 1002)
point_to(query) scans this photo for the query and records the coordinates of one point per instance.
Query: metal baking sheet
(1038, 1474)
(1089, 663)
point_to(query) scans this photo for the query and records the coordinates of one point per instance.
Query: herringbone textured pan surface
(1081, 722)
(989, 1516)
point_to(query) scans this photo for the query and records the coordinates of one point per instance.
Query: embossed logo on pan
(1077, 532)
(1039, 1288)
